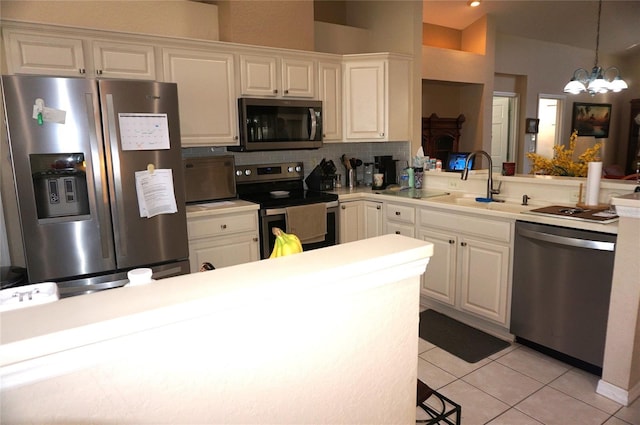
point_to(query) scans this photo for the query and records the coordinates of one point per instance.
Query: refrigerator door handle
(99, 177)
(119, 220)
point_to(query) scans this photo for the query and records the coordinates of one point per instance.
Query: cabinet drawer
(476, 226)
(401, 213)
(401, 229)
(201, 227)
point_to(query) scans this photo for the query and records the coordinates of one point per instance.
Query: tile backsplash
(364, 151)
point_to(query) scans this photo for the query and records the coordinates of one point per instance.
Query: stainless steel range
(277, 187)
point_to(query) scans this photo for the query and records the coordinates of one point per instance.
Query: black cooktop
(280, 198)
(277, 186)
(592, 214)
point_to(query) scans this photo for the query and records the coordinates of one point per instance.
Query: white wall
(549, 66)
(178, 18)
(326, 336)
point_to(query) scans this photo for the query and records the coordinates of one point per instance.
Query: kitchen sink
(469, 200)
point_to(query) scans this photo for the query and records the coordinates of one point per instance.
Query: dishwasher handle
(564, 240)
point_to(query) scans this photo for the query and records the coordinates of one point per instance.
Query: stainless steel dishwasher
(561, 290)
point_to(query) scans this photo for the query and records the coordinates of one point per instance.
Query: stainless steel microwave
(279, 124)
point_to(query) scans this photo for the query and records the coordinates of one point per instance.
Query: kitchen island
(329, 335)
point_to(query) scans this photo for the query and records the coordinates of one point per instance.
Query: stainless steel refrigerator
(98, 177)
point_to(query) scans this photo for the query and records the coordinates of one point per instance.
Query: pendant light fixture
(599, 80)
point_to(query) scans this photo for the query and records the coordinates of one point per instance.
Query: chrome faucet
(465, 174)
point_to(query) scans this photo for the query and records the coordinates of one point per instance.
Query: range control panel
(269, 172)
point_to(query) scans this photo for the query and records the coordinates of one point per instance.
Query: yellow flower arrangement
(562, 163)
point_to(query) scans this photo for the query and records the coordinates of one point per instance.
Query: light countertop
(464, 203)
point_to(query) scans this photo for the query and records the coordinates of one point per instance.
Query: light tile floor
(520, 386)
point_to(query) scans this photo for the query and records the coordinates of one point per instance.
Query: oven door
(270, 218)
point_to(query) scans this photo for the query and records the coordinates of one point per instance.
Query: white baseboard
(618, 394)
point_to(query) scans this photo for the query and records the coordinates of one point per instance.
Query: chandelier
(599, 80)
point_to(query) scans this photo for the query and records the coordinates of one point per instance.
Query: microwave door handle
(314, 124)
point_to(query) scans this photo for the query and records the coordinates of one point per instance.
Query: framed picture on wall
(591, 119)
(532, 125)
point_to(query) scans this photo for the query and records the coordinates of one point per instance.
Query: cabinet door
(439, 280)
(298, 78)
(223, 251)
(372, 219)
(484, 278)
(206, 85)
(44, 54)
(365, 100)
(124, 60)
(330, 87)
(351, 221)
(258, 76)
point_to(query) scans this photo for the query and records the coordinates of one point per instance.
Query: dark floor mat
(463, 341)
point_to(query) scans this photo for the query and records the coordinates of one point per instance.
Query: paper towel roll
(594, 174)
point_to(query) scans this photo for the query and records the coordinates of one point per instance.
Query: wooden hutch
(440, 136)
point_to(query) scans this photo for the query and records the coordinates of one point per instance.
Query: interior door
(500, 132)
(549, 112)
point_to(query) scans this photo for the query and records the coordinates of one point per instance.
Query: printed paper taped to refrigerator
(155, 192)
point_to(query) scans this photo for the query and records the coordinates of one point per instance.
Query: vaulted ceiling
(571, 22)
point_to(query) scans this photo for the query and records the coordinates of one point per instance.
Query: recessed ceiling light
(474, 3)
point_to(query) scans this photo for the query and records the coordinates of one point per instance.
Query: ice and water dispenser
(59, 184)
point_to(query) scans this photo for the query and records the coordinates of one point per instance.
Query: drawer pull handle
(397, 232)
(223, 226)
(378, 207)
(451, 241)
(463, 244)
(255, 239)
(397, 212)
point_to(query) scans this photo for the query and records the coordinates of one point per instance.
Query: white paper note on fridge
(155, 192)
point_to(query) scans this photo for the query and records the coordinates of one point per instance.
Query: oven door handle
(314, 124)
(281, 211)
(563, 240)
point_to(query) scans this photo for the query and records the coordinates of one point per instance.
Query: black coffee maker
(386, 165)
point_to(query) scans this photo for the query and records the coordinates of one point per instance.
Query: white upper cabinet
(258, 75)
(298, 77)
(377, 103)
(276, 77)
(330, 93)
(364, 102)
(44, 54)
(124, 60)
(206, 95)
(53, 54)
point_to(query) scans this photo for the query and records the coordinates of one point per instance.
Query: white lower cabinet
(439, 281)
(400, 219)
(470, 267)
(360, 220)
(223, 239)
